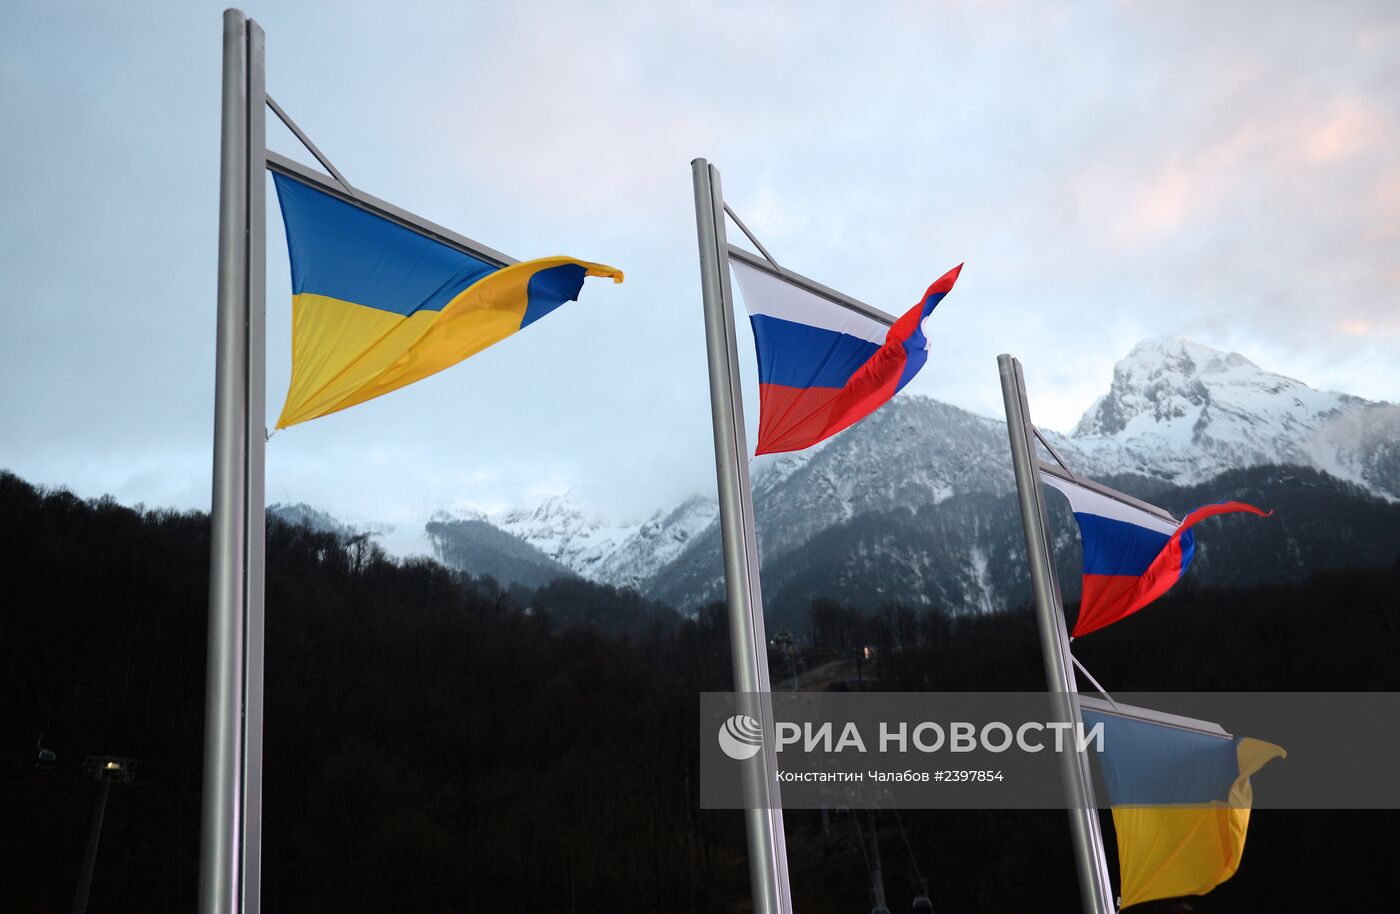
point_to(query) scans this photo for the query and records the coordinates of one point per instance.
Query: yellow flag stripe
(344, 353)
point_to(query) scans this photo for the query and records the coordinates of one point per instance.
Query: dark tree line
(437, 743)
(432, 743)
(1338, 631)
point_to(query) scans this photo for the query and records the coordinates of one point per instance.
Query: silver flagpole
(256, 506)
(1089, 860)
(768, 874)
(231, 816)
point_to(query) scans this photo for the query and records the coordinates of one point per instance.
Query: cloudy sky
(1228, 172)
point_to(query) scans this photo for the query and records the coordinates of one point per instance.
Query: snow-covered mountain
(303, 515)
(622, 554)
(1185, 412)
(1177, 411)
(468, 541)
(574, 536)
(966, 555)
(656, 543)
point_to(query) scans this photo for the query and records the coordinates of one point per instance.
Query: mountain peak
(557, 504)
(1183, 412)
(302, 514)
(462, 513)
(564, 530)
(1173, 381)
(1184, 356)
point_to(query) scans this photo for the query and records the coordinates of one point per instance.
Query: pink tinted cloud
(1351, 126)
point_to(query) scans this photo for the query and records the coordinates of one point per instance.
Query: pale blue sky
(1229, 172)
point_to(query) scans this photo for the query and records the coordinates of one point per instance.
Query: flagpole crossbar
(751, 236)
(280, 164)
(1040, 436)
(1147, 715)
(291, 125)
(811, 285)
(1098, 487)
(1094, 682)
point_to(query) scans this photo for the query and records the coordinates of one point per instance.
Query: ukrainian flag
(377, 306)
(1181, 802)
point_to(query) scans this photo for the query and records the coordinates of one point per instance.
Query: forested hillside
(436, 743)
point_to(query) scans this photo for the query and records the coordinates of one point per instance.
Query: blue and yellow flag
(1181, 803)
(377, 306)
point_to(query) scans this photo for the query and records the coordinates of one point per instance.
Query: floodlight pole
(231, 822)
(94, 838)
(877, 871)
(748, 644)
(1089, 861)
(104, 769)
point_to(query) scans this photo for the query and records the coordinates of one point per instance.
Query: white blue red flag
(821, 366)
(1131, 557)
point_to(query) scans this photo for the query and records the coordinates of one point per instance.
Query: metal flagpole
(748, 644)
(256, 505)
(230, 845)
(1089, 860)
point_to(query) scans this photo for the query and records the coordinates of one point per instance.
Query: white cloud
(1226, 172)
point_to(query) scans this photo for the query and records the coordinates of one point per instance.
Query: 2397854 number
(964, 775)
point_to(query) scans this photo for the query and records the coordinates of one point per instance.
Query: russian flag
(1131, 557)
(821, 366)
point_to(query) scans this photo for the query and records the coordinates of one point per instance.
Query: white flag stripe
(769, 295)
(923, 328)
(1087, 501)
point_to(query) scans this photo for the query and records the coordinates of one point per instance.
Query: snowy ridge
(303, 515)
(577, 538)
(657, 542)
(1185, 412)
(1176, 411)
